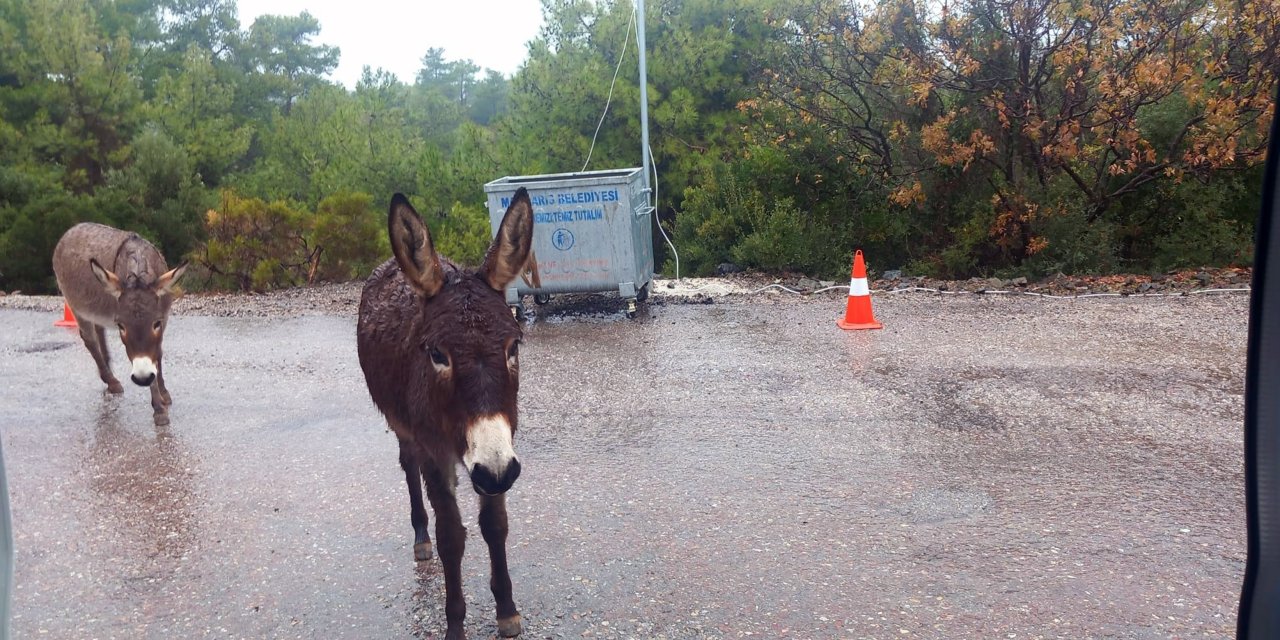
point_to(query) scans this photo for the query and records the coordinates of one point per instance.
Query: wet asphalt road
(983, 468)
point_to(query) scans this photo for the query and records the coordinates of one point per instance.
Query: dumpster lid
(579, 177)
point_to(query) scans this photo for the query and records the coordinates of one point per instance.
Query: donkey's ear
(169, 279)
(411, 242)
(110, 283)
(509, 254)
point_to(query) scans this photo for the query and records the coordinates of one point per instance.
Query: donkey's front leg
(164, 391)
(417, 513)
(451, 541)
(493, 524)
(159, 397)
(158, 406)
(95, 340)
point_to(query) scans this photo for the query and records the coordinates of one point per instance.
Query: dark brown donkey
(115, 278)
(439, 350)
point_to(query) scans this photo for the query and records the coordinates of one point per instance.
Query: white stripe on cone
(858, 287)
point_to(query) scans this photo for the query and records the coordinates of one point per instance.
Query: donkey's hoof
(114, 386)
(455, 633)
(162, 419)
(422, 551)
(509, 627)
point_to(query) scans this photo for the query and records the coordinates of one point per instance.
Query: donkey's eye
(156, 326)
(513, 351)
(438, 357)
(120, 327)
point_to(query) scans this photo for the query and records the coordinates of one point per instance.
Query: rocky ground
(344, 298)
(1176, 282)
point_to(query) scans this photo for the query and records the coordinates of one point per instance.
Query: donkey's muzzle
(144, 371)
(488, 483)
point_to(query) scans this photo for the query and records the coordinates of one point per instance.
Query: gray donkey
(133, 292)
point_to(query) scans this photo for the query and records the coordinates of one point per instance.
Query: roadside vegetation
(974, 138)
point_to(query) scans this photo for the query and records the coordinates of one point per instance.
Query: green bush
(709, 225)
(960, 260)
(776, 240)
(31, 231)
(730, 217)
(1204, 224)
(350, 236)
(463, 234)
(253, 245)
(1073, 245)
(1025, 230)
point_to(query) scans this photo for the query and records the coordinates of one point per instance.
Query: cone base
(849, 326)
(68, 320)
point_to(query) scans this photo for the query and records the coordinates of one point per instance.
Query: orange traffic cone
(857, 312)
(67, 320)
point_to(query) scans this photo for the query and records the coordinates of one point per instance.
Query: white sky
(394, 34)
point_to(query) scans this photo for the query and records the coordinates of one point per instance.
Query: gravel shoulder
(344, 298)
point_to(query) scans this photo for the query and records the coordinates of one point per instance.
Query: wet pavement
(982, 468)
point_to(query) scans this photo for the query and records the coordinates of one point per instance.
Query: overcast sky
(394, 35)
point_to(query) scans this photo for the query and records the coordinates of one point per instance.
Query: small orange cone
(67, 320)
(857, 312)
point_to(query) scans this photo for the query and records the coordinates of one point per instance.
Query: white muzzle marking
(489, 443)
(143, 368)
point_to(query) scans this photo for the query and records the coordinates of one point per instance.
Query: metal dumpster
(592, 233)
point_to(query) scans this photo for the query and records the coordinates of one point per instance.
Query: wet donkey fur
(115, 278)
(439, 351)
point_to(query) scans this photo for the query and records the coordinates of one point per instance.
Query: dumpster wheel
(518, 311)
(643, 293)
(542, 298)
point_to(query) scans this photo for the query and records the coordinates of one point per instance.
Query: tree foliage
(957, 138)
(1026, 110)
(225, 143)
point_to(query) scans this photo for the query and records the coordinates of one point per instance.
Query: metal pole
(6, 552)
(644, 104)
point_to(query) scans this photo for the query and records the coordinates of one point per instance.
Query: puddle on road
(43, 347)
(141, 482)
